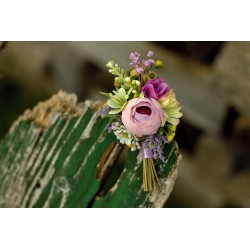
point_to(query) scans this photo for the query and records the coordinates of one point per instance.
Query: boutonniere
(145, 111)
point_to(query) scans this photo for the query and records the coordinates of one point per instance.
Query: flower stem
(150, 178)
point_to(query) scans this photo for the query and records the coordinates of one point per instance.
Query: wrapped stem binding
(150, 178)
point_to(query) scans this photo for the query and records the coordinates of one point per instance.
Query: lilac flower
(134, 55)
(150, 54)
(139, 70)
(155, 143)
(151, 61)
(136, 59)
(140, 65)
(146, 63)
(104, 110)
(133, 64)
(131, 56)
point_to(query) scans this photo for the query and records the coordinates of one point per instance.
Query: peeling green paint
(57, 166)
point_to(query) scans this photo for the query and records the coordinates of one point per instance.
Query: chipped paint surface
(128, 190)
(59, 153)
(107, 161)
(159, 198)
(61, 186)
(90, 126)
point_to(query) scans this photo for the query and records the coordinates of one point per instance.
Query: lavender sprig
(155, 142)
(141, 65)
(104, 111)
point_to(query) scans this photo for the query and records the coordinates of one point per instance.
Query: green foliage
(117, 100)
(117, 71)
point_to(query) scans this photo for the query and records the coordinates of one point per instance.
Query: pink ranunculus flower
(155, 88)
(142, 116)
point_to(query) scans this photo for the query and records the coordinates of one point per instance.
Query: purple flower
(151, 61)
(104, 110)
(131, 56)
(155, 88)
(134, 55)
(138, 64)
(146, 64)
(139, 70)
(133, 64)
(150, 53)
(155, 143)
(136, 59)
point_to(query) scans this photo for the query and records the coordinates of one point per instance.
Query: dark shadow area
(205, 52)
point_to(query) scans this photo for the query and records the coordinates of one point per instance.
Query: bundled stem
(150, 178)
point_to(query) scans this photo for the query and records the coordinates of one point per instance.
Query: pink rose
(142, 116)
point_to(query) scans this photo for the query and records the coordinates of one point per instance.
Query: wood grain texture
(60, 154)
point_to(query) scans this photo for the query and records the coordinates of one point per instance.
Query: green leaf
(114, 104)
(174, 112)
(122, 94)
(114, 111)
(105, 94)
(173, 121)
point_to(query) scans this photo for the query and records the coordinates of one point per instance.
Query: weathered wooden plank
(128, 191)
(59, 155)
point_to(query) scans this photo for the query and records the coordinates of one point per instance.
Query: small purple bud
(151, 61)
(146, 63)
(133, 64)
(131, 56)
(139, 70)
(137, 54)
(150, 53)
(136, 59)
(104, 111)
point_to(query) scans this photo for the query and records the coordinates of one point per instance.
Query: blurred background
(210, 79)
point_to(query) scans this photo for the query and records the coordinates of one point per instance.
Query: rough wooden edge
(44, 113)
(159, 197)
(62, 103)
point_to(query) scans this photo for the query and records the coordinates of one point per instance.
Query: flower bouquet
(145, 111)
